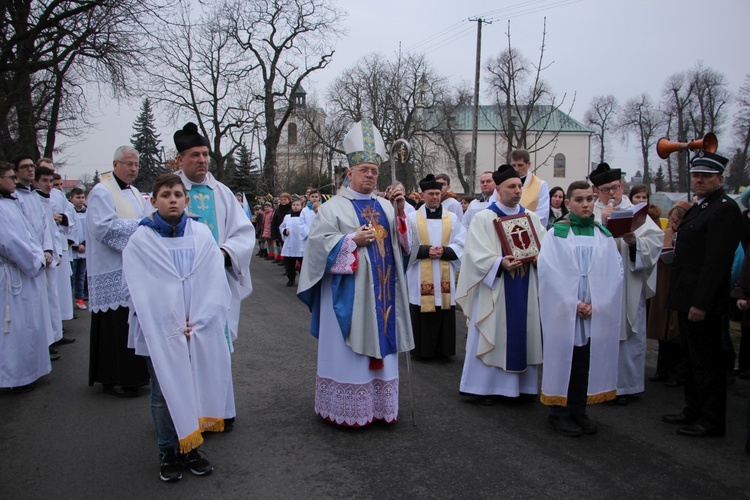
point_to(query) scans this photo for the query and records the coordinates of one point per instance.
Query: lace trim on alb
(356, 404)
(344, 263)
(105, 291)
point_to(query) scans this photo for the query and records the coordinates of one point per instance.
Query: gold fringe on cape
(211, 424)
(191, 441)
(590, 400)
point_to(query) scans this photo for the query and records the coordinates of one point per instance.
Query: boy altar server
(294, 231)
(639, 252)
(437, 245)
(580, 292)
(173, 270)
(499, 295)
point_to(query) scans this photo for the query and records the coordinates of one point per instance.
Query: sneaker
(80, 304)
(197, 464)
(169, 467)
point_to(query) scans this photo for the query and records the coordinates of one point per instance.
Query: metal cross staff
(402, 149)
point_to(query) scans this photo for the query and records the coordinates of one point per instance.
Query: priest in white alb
(499, 295)
(352, 279)
(115, 208)
(640, 252)
(436, 239)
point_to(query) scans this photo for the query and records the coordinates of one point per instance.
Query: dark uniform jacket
(704, 252)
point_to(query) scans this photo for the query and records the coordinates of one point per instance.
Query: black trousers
(578, 386)
(290, 266)
(705, 375)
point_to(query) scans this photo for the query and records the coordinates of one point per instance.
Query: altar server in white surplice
(43, 179)
(217, 208)
(114, 211)
(437, 243)
(639, 251)
(23, 330)
(37, 213)
(352, 280)
(580, 289)
(173, 270)
(499, 295)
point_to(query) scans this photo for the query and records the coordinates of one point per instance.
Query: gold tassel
(211, 424)
(554, 400)
(601, 397)
(191, 441)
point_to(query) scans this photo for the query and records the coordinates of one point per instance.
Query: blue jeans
(78, 279)
(166, 436)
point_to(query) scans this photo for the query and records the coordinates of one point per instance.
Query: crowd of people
(541, 280)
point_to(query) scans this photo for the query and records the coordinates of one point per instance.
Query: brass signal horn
(665, 147)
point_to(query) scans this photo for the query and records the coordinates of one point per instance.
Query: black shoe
(169, 467)
(487, 401)
(745, 375)
(52, 350)
(198, 465)
(659, 377)
(290, 283)
(623, 400)
(674, 383)
(697, 430)
(54, 356)
(228, 425)
(565, 425)
(677, 418)
(120, 391)
(64, 341)
(587, 425)
(21, 389)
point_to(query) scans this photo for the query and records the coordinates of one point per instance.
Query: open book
(628, 220)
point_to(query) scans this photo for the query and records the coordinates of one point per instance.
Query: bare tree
(677, 94)
(203, 76)
(519, 93)
(739, 166)
(640, 117)
(49, 49)
(287, 41)
(602, 117)
(710, 96)
(398, 95)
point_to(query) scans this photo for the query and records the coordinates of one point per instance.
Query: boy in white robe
(173, 270)
(580, 292)
(294, 231)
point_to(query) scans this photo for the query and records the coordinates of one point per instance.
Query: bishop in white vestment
(352, 280)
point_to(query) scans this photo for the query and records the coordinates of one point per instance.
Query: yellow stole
(530, 193)
(427, 285)
(123, 207)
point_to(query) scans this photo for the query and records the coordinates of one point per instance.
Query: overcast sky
(596, 47)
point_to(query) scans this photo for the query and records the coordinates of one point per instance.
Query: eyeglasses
(14, 177)
(27, 165)
(130, 164)
(373, 171)
(613, 189)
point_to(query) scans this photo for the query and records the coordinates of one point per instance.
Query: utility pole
(475, 120)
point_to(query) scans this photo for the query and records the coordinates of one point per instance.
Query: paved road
(67, 440)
